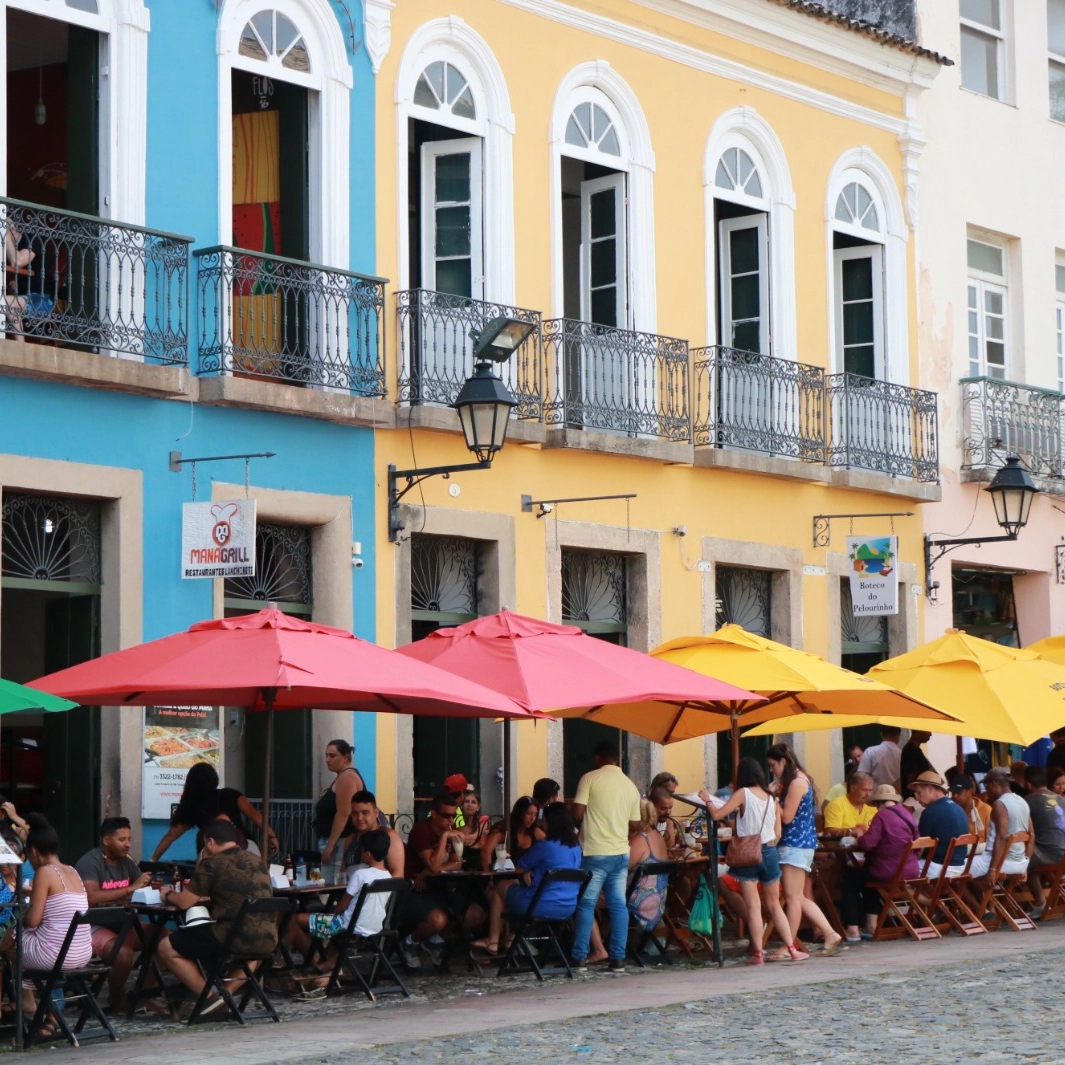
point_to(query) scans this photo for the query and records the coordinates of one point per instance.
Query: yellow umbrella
(826, 722)
(994, 692)
(1052, 649)
(796, 684)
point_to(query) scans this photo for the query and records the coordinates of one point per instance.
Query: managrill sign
(218, 539)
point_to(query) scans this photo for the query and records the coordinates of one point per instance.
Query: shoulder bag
(747, 850)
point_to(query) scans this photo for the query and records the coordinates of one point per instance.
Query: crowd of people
(890, 797)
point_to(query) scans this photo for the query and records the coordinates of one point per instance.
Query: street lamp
(483, 404)
(1012, 491)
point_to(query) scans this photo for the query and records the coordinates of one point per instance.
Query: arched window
(855, 207)
(736, 172)
(444, 87)
(589, 126)
(270, 33)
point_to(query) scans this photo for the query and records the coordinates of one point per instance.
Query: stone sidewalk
(909, 974)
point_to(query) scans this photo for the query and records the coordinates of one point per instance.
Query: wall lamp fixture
(483, 404)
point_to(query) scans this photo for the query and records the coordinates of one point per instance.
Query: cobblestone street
(988, 999)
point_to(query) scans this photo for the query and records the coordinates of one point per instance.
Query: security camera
(358, 563)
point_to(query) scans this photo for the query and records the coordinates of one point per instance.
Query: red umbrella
(272, 661)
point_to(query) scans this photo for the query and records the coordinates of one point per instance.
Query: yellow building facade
(707, 215)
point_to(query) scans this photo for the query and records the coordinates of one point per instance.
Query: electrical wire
(972, 518)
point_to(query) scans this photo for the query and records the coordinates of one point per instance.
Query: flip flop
(778, 955)
(485, 947)
(836, 948)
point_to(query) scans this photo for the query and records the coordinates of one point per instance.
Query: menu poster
(175, 739)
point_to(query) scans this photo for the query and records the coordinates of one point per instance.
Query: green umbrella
(14, 697)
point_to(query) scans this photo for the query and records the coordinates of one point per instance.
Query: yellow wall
(681, 105)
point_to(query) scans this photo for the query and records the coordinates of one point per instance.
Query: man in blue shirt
(943, 819)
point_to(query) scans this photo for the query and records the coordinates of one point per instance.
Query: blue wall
(182, 177)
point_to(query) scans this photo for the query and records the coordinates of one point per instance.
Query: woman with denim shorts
(797, 845)
(758, 815)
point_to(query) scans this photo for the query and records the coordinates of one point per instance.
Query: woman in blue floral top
(798, 842)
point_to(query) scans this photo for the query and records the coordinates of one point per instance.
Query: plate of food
(167, 746)
(180, 761)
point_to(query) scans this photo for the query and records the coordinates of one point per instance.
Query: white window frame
(123, 118)
(431, 151)
(599, 83)
(329, 102)
(745, 128)
(616, 182)
(726, 227)
(984, 282)
(1059, 335)
(999, 36)
(453, 41)
(1054, 59)
(875, 252)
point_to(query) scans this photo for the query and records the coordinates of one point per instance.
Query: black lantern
(1012, 491)
(483, 405)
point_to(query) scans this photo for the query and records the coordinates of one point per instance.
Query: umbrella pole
(735, 731)
(714, 893)
(508, 784)
(960, 757)
(264, 831)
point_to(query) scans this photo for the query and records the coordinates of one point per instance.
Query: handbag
(747, 850)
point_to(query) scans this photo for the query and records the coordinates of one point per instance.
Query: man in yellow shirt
(607, 807)
(850, 814)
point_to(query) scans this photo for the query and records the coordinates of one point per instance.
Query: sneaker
(435, 951)
(1036, 912)
(616, 966)
(579, 965)
(412, 953)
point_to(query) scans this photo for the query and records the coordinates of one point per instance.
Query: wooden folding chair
(549, 958)
(643, 940)
(948, 895)
(999, 898)
(1055, 890)
(218, 973)
(353, 948)
(902, 913)
(75, 985)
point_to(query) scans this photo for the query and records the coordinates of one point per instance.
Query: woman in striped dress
(57, 894)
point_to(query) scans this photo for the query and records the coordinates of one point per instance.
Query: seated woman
(557, 850)
(888, 837)
(57, 895)
(647, 901)
(475, 829)
(517, 834)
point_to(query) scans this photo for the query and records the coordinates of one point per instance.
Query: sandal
(837, 948)
(489, 948)
(756, 957)
(797, 955)
(779, 955)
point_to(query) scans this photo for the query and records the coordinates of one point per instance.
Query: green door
(72, 740)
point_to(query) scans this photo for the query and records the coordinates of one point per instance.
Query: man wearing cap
(1009, 814)
(883, 761)
(887, 840)
(942, 819)
(963, 792)
(458, 785)
(851, 814)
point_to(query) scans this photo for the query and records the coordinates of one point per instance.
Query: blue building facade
(189, 240)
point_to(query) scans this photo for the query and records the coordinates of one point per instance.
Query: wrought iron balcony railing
(754, 402)
(436, 350)
(617, 380)
(880, 426)
(92, 283)
(306, 324)
(1002, 418)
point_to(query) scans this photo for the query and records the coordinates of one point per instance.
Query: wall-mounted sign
(874, 574)
(175, 739)
(218, 539)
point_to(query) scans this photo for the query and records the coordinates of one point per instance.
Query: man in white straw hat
(942, 819)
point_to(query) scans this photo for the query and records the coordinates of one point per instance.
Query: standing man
(607, 807)
(883, 761)
(913, 761)
(1057, 754)
(110, 877)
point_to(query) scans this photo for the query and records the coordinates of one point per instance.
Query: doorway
(50, 619)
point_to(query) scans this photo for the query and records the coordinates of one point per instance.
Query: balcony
(95, 285)
(758, 403)
(882, 427)
(263, 316)
(436, 350)
(616, 381)
(1001, 418)
(777, 411)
